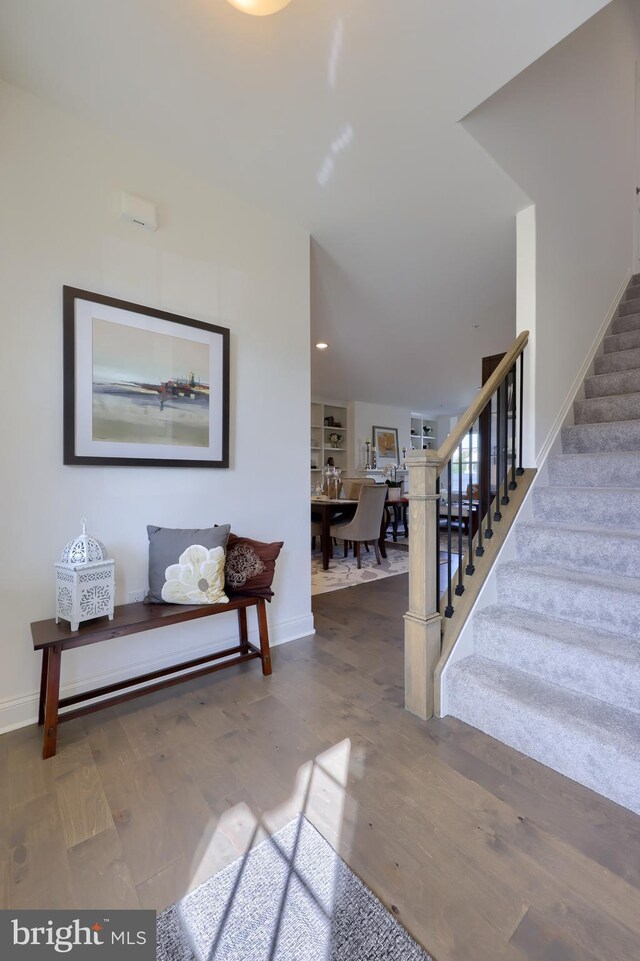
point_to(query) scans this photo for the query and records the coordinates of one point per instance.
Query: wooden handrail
(446, 451)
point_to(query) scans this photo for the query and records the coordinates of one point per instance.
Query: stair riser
(611, 508)
(609, 470)
(536, 735)
(587, 438)
(592, 672)
(622, 324)
(617, 360)
(596, 551)
(600, 606)
(631, 306)
(619, 382)
(632, 292)
(605, 410)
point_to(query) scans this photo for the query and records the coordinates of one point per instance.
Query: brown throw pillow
(250, 566)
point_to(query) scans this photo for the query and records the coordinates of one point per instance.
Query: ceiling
(343, 115)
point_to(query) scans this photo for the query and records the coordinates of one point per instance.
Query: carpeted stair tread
(630, 306)
(608, 436)
(596, 549)
(608, 469)
(603, 601)
(632, 292)
(617, 360)
(594, 743)
(583, 660)
(602, 665)
(615, 407)
(624, 323)
(610, 507)
(627, 340)
(617, 382)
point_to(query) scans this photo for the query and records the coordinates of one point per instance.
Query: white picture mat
(85, 311)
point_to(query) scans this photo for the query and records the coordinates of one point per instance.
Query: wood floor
(481, 853)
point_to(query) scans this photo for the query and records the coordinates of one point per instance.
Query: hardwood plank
(83, 805)
(5, 885)
(100, 876)
(540, 941)
(598, 827)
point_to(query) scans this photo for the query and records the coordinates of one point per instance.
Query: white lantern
(85, 581)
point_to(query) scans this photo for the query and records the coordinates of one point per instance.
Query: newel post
(422, 627)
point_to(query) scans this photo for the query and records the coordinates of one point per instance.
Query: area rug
(289, 899)
(343, 571)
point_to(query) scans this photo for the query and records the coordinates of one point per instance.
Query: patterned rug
(343, 571)
(291, 898)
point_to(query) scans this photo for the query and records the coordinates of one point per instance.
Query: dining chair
(366, 522)
(353, 485)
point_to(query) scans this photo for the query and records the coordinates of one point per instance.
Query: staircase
(556, 668)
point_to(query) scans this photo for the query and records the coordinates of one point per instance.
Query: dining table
(326, 508)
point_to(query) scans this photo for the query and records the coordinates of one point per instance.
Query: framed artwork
(385, 441)
(142, 387)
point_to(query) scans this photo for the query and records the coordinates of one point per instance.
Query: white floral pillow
(197, 578)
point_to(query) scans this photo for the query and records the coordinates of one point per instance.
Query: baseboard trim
(582, 373)
(20, 711)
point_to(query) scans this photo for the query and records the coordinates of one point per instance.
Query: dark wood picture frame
(73, 294)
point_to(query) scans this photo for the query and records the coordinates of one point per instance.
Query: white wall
(214, 258)
(365, 416)
(564, 130)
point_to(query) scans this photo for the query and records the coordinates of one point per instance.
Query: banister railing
(455, 498)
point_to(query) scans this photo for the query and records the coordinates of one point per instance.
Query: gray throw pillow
(167, 545)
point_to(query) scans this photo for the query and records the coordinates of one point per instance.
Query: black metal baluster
(505, 439)
(460, 585)
(438, 586)
(520, 469)
(469, 569)
(481, 464)
(489, 532)
(514, 409)
(497, 516)
(448, 611)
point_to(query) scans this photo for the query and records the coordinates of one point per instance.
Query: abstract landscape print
(148, 387)
(142, 386)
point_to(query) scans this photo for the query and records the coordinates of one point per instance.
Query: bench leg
(51, 704)
(43, 685)
(263, 629)
(244, 632)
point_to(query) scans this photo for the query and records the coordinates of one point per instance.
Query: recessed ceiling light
(322, 345)
(259, 8)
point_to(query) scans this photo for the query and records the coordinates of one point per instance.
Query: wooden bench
(52, 639)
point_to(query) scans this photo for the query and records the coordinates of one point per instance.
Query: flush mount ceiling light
(321, 345)
(259, 8)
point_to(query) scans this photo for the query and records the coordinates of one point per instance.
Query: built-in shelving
(423, 433)
(320, 448)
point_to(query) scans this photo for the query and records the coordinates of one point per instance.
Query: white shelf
(320, 448)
